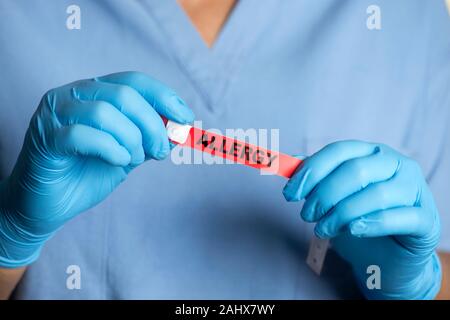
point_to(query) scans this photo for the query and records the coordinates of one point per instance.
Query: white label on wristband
(178, 132)
(316, 255)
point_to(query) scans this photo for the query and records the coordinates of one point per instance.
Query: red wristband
(272, 162)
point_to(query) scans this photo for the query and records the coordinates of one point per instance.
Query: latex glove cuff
(18, 247)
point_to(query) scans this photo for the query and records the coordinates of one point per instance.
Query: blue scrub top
(310, 68)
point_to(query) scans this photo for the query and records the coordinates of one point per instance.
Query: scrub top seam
(211, 71)
(105, 260)
(179, 61)
(232, 36)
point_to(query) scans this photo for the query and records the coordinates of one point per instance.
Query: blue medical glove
(378, 209)
(82, 141)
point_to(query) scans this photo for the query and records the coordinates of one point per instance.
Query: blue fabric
(310, 68)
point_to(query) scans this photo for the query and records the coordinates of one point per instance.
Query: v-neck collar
(212, 69)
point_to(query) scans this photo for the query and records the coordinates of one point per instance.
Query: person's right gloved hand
(82, 141)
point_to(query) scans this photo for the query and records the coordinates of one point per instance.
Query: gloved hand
(378, 209)
(83, 140)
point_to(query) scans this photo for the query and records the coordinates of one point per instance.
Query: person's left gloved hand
(378, 209)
